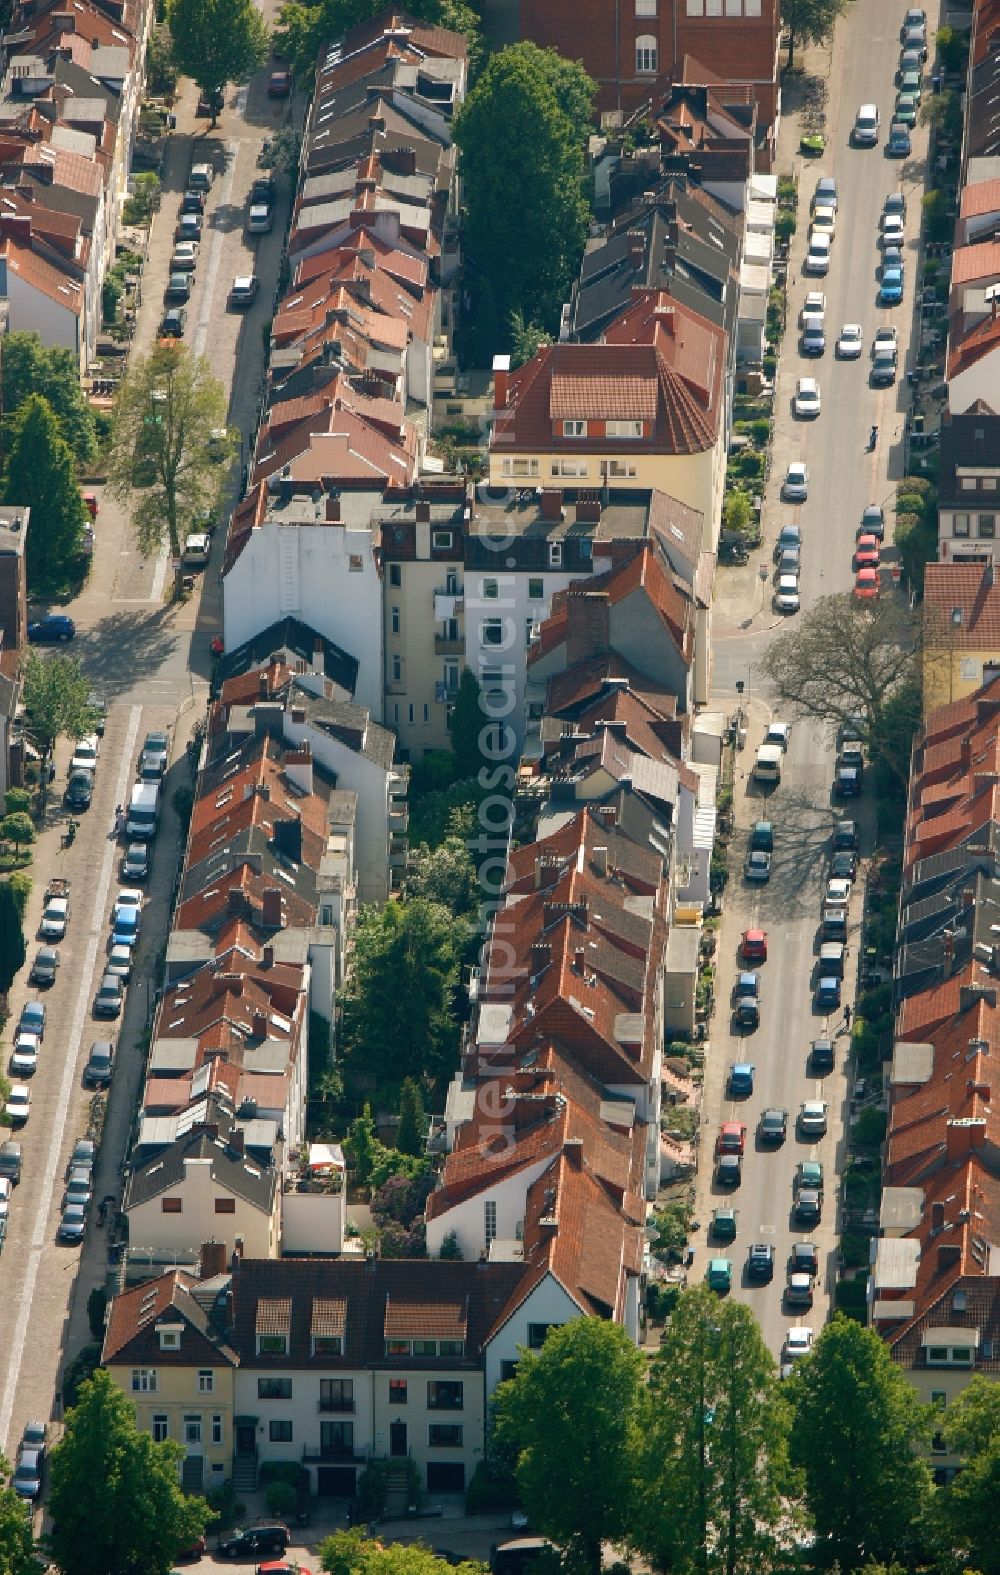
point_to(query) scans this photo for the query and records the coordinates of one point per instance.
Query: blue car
(32, 1019)
(891, 289)
(899, 143)
(46, 631)
(125, 930)
(741, 1077)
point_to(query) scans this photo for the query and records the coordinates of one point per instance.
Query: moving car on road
(851, 342)
(760, 1262)
(772, 1126)
(807, 398)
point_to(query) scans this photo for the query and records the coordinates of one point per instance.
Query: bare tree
(847, 661)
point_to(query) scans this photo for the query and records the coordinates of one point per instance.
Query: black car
(97, 1072)
(845, 836)
(193, 202)
(773, 1126)
(823, 1055)
(178, 287)
(804, 1259)
(43, 969)
(263, 189)
(843, 865)
(172, 326)
(272, 1538)
(760, 1262)
(79, 790)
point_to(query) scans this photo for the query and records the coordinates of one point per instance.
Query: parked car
(97, 1072)
(866, 585)
(786, 594)
(845, 835)
(79, 1186)
(719, 1275)
(270, 1538)
(867, 553)
(32, 1019)
(723, 1225)
(10, 1162)
(873, 522)
(193, 202)
(259, 220)
(812, 1117)
(44, 967)
(729, 1170)
(173, 323)
(732, 1138)
(817, 258)
(184, 257)
(757, 866)
(73, 1224)
(53, 628)
(178, 288)
(120, 962)
(156, 744)
(79, 790)
(188, 227)
(85, 752)
(804, 1258)
(200, 178)
(827, 994)
(899, 143)
(27, 1478)
(18, 1106)
(279, 84)
(753, 946)
(790, 535)
(760, 1262)
(84, 1154)
(55, 914)
(741, 1075)
(24, 1055)
(825, 194)
(135, 862)
(762, 836)
(110, 996)
(243, 291)
(795, 486)
(813, 341)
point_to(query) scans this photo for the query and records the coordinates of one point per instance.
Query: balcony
(341, 1407)
(347, 1454)
(447, 604)
(445, 647)
(399, 815)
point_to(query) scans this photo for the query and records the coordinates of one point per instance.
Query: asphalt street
(844, 478)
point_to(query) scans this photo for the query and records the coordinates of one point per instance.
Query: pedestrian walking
(119, 820)
(847, 1017)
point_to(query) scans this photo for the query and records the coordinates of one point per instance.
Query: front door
(246, 1438)
(397, 1440)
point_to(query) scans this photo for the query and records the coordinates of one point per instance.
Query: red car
(732, 1138)
(93, 507)
(279, 84)
(753, 946)
(866, 553)
(866, 585)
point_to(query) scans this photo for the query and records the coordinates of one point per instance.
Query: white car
(798, 1342)
(818, 256)
(851, 341)
(807, 402)
(824, 220)
(128, 897)
(838, 892)
(815, 302)
(795, 486)
(786, 594)
(779, 733)
(812, 1117)
(5, 1191)
(54, 919)
(84, 755)
(24, 1059)
(18, 1105)
(888, 334)
(891, 232)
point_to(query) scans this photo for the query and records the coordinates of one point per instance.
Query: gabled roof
(644, 572)
(130, 1334)
(968, 589)
(230, 1172)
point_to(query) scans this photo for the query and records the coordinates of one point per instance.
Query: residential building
(166, 1350)
(968, 477)
(634, 56)
(973, 360)
(962, 619)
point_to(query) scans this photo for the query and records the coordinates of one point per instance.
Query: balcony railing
(445, 647)
(341, 1452)
(345, 1407)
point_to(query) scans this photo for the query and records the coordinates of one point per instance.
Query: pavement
(151, 659)
(844, 478)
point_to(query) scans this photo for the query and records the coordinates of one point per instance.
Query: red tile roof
(971, 263)
(982, 338)
(972, 590)
(981, 197)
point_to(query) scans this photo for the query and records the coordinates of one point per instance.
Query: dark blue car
(46, 631)
(899, 143)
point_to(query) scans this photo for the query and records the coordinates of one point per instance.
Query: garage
(443, 1476)
(336, 1481)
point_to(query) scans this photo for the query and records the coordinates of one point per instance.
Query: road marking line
(41, 1234)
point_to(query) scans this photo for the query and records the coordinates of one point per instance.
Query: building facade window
(272, 1345)
(171, 1205)
(574, 429)
(519, 469)
(536, 590)
(537, 1333)
(170, 1339)
(445, 1435)
(274, 1389)
(396, 574)
(206, 1381)
(960, 524)
(445, 1394)
(490, 1220)
(279, 1432)
(397, 668)
(623, 429)
(328, 1345)
(491, 632)
(355, 563)
(145, 1381)
(555, 554)
(397, 1391)
(491, 590)
(395, 620)
(618, 469)
(529, 625)
(336, 1394)
(451, 677)
(987, 525)
(572, 468)
(441, 539)
(225, 1205)
(645, 7)
(645, 54)
(336, 1438)
(217, 1432)
(161, 1429)
(192, 1430)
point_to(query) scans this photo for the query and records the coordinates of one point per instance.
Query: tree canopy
(41, 475)
(398, 1018)
(164, 414)
(56, 702)
(967, 1512)
(855, 1408)
(571, 1415)
(846, 659)
(303, 30)
(216, 42)
(352, 1553)
(521, 135)
(12, 953)
(17, 1552)
(716, 1463)
(29, 367)
(810, 21)
(140, 1519)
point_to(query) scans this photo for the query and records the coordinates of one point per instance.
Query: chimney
(573, 1150)
(601, 862)
(579, 959)
(546, 871)
(609, 814)
(969, 994)
(212, 1259)
(664, 317)
(966, 753)
(948, 1254)
(258, 1026)
(271, 913)
(501, 379)
(405, 160)
(267, 957)
(209, 1129)
(588, 626)
(980, 1090)
(319, 656)
(551, 504)
(964, 1135)
(423, 513)
(15, 226)
(541, 955)
(263, 686)
(298, 716)
(235, 1141)
(376, 122)
(937, 1216)
(636, 250)
(298, 766)
(234, 902)
(333, 511)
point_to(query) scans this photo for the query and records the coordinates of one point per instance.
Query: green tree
(17, 1551)
(398, 1012)
(737, 511)
(966, 1514)
(18, 828)
(937, 221)
(468, 721)
(412, 1122)
(526, 339)
(303, 30)
(525, 238)
(20, 884)
(29, 367)
(140, 1519)
(15, 799)
(572, 1413)
(444, 874)
(854, 1408)
(165, 411)
(715, 1473)
(451, 1248)
(143, 201)
(12, 947)
(216, 42)
(916, 540)
(56, 702)
(360, 1146)
(810, 21)
(847, 659)
(953, 48)
(352, 1553)
(41, 475)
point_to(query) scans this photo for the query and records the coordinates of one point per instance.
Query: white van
(143, 812)
(196, 550)
(866, 126)
(767, 766)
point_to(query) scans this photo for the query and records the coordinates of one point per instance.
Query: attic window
(170, 1338)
